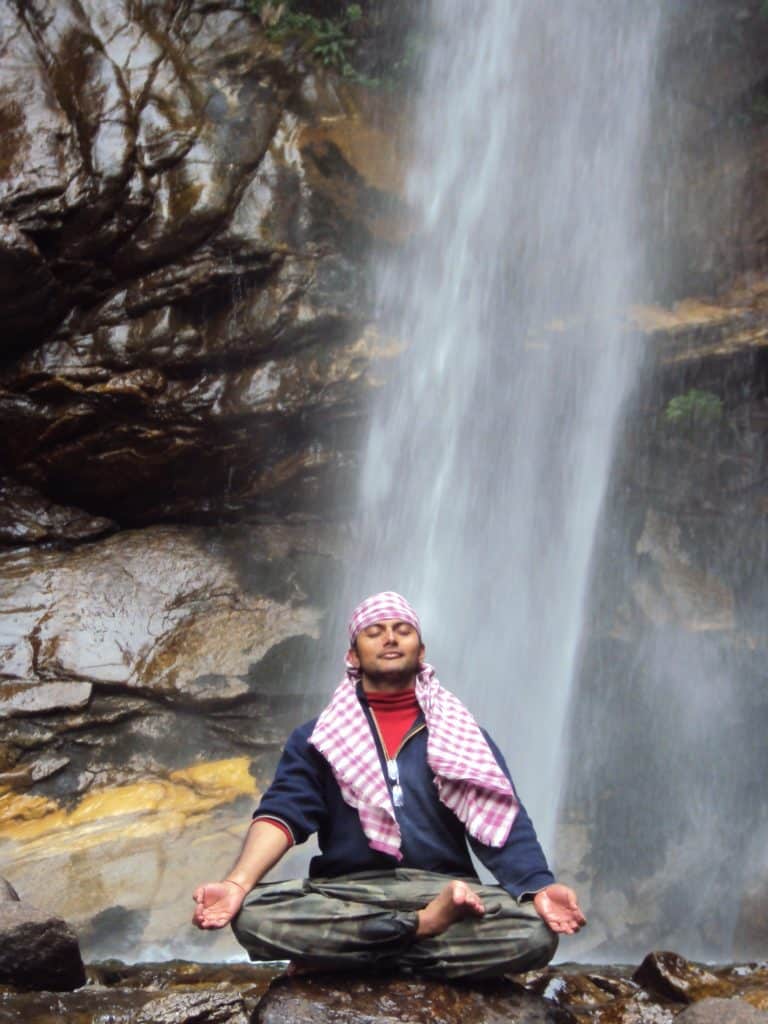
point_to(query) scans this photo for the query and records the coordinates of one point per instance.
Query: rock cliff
(186, 208)
(188, 213)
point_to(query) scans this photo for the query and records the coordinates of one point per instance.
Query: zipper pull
(394, 778)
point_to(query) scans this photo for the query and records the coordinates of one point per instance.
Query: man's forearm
(264, 846)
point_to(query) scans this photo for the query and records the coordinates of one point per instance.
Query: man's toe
(460, 892)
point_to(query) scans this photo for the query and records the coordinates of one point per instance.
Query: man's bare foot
(455, 901)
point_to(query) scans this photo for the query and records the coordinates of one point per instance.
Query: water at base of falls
(488, 456)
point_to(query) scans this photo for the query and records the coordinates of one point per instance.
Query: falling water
(488, 456)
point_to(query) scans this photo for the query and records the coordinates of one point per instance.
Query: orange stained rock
(373, 153)
(16, 807)
(218, 776)
(150, 806)
(685, 314)
(375, 163)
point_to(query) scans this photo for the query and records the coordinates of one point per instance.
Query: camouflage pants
(369, 920)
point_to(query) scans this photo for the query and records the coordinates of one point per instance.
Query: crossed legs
(407, 919)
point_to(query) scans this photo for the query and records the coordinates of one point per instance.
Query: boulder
(206, 1007)
(383, 999)
(38, 950)
(671, 976)
(581, 989)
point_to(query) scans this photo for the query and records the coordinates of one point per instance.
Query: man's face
(388, 652)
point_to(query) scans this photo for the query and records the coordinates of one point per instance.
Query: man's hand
(558, 907)
(217, 903)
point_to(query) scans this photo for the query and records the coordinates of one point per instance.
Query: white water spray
(488, 457)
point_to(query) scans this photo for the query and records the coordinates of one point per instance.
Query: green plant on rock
(696, 410)
(331, 46)
(328, 40)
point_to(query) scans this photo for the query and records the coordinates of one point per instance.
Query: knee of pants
(245, 927)
(535, 951)
(234, 924)
(543, 944)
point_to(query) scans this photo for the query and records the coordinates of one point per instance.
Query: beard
(400, 674)
(399, 677)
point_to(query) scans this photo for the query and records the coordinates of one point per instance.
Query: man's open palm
(217, 903)
(558, 907)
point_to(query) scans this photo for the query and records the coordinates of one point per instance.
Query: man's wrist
(242, 888)
(530, 894)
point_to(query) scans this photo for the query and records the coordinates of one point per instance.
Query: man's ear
(422, 652)
(352, 658)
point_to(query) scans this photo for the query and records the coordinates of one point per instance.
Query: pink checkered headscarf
(379, 608)
(468, 778)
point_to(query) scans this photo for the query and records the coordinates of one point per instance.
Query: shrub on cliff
(373, 42)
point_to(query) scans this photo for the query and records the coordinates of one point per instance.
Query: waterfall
(488, 455)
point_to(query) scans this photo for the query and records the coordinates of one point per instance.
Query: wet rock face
(107, 650)
(712, 221)
(180, 246)
(26, 517)
(147, 683)
(185, 614)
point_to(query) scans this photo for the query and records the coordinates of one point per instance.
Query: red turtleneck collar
(394, 713)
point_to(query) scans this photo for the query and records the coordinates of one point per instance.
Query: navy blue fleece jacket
(306, 798)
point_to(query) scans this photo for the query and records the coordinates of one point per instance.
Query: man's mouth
(392, 654)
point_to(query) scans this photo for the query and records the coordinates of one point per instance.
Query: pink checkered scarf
(468, 779)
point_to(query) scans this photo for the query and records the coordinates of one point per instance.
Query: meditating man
(396, 778)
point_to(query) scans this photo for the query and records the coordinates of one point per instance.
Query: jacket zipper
(409, 735)
(392, 773)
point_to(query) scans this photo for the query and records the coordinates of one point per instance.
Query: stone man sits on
(397, 779)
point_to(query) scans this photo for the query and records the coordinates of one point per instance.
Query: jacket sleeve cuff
(284, 827)
(529, 893)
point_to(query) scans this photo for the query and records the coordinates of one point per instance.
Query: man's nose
(390, 636)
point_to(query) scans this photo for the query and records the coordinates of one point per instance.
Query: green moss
(694, 410)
